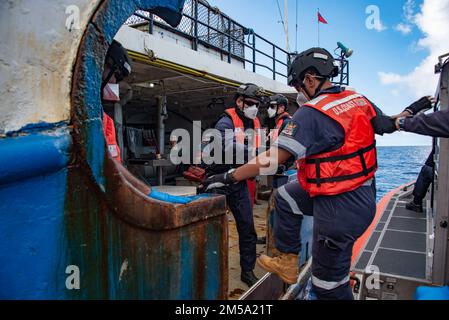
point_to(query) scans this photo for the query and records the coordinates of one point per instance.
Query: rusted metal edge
(133, 206)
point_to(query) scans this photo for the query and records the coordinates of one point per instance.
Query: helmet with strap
(118, 61)
(251, 91)
(279, 99)
(318, 60)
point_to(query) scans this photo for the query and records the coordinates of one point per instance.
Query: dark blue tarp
(168, 10)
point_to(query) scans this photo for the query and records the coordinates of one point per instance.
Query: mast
(287, 44)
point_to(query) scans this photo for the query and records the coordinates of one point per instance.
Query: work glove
(425, 103)
(217, 181)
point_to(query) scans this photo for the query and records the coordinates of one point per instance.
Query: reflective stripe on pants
(338, 222)
(328, 285)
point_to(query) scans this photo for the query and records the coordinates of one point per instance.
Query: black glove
(217, 181)
(425, 103)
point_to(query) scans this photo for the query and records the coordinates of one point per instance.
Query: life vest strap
(363, 173)
(359, 153)
(344, 157)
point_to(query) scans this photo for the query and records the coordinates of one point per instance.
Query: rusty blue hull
(65, 208)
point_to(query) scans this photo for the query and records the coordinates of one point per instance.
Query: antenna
(283, 23)
(287, 42)
(296, 43)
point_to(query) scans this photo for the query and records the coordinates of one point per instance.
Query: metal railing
(208, 26)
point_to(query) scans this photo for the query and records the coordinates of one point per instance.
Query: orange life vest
(239, 128)
(111, 139)
(355, 162)
(274, 134)
(239, 132)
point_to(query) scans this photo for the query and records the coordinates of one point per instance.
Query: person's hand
(217, 181)
(400, 123)
(425, 103)
(281, 170)
(397, 124)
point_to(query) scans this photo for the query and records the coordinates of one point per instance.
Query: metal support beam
(161, 117)
(441, 255)
(118, 118)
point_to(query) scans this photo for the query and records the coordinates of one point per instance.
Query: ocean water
(397, 166)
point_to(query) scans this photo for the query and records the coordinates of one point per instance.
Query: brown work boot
(284, 265)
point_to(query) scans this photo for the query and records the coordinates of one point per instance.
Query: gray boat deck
(400, 244)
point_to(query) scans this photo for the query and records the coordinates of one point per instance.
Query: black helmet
(117, 58)
(252, 91)
(279, 99)
(316, 59)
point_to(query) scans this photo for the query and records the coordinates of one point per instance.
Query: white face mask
(301, 99)
(271, 112)
(111, 92)
(251, 112)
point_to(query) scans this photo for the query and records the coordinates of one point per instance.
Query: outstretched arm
(265, 164)
(435, 124)
(385, 124)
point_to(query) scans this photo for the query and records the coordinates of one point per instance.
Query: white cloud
(395, 92)
(409, 10)
(403, 28)
(406, 26)
(433, 22)
(389, 78)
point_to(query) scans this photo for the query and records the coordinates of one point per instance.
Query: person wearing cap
(332, 137)
(239, 118)
(278, 111)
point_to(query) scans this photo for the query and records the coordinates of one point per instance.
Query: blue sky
(388, 66)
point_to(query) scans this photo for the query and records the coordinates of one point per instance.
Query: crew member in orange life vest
(239, 118)
(333, 138)
(278, 111)
(278, 119)
(117, 67)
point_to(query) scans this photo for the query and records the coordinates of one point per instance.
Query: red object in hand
(195, 174)
(321, 19)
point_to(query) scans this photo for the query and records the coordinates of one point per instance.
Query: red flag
(321, 19)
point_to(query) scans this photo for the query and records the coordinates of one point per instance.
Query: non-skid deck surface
(398, 245)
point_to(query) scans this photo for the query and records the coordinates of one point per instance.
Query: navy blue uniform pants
(425, 178)
(291, 202)
(239, 202)
(338, 222)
